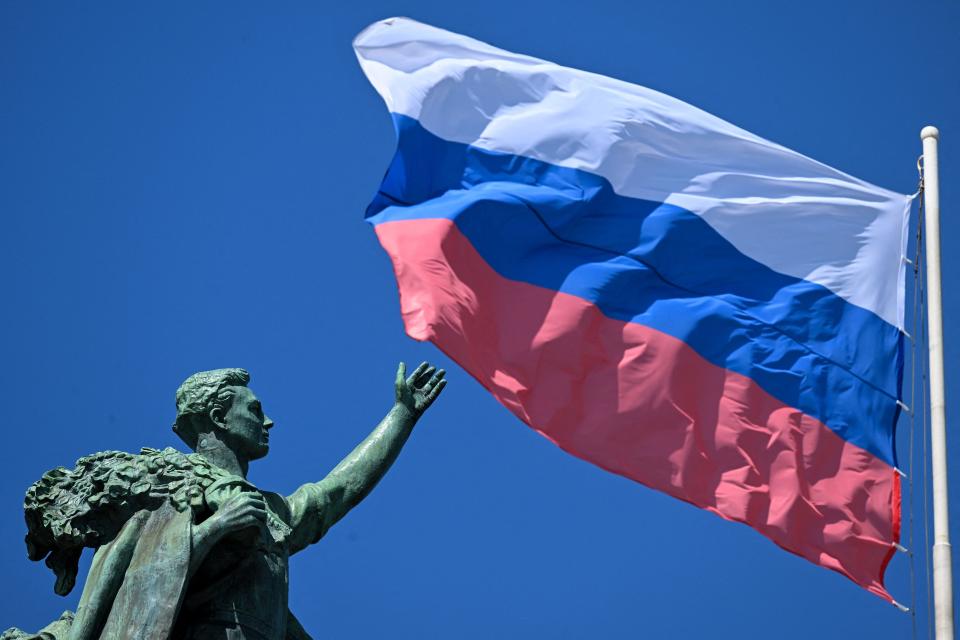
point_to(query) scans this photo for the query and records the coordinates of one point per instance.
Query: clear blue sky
(182, 187)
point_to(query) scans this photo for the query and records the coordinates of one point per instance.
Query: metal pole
(942, 569)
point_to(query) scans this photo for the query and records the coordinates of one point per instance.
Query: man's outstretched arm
(318, 506)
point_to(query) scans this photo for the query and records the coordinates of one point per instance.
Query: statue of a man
(187, 547)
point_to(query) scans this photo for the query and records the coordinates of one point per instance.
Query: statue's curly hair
(200, 394)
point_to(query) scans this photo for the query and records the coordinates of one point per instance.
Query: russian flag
(651, 288)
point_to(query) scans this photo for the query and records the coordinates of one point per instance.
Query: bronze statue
(186, 546)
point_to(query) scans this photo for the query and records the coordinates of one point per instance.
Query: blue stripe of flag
(661, 266)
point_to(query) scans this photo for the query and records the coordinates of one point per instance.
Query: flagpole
(942, 569)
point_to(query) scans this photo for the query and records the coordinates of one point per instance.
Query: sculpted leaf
(86, 507)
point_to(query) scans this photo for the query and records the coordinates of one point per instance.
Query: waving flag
(653, 289)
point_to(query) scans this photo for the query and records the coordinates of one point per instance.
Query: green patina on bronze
(186, 546)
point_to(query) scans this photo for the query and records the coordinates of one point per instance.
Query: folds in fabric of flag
(651, 288)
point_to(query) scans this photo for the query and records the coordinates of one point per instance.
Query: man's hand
(244, 511)
(418, 392)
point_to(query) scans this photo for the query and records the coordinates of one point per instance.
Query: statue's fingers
(254, 503)
(424, 376)
(247, 496)
(432, 395)
(432, 382)
(256, 514)
(251, 516)
(416, 373)
(401, 373)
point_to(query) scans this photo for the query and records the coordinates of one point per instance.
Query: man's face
(246, 425)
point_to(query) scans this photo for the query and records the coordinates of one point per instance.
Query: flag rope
(913, 401)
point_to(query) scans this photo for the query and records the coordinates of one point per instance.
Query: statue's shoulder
(67, 510)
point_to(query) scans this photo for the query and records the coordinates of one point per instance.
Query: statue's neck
(217, 453)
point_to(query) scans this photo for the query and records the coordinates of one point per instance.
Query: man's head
(220, 403)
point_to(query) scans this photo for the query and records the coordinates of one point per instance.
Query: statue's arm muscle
(314, 508)
(202, 539)
(318, 506)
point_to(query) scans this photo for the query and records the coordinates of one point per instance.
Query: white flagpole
(942, 569)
